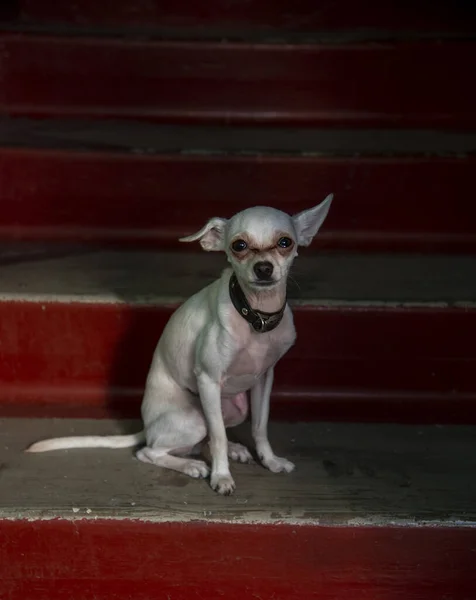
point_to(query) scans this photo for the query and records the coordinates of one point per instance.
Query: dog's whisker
(295, 282)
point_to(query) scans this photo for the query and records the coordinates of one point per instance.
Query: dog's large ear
(308, 222)
(212, 236)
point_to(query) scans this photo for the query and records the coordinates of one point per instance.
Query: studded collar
(261, 322)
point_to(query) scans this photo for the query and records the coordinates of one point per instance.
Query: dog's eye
(285, 242)
(239, 245)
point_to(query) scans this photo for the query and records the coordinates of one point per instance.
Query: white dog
(221, 343)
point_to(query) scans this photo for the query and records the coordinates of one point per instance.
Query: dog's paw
(278, 465)
(196, 469)
(223, 484)
(239, 453)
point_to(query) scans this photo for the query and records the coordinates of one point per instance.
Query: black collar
(261, 322)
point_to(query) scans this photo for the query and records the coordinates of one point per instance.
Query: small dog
(221, 343)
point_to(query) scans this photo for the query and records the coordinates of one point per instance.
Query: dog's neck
(265, 300)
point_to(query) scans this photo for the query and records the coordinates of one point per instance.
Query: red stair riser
(389, 203)
(58, 357)
(123, 559)
(425, 84)
(253, 15)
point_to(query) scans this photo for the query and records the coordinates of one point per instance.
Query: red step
(417, 84)
(122, 560)
(263, 16)
(380, 512)
(381, 203)
(376, 335)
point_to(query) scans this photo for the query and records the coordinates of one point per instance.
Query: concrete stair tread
(347, 474)
(39, 272)
(152, 138)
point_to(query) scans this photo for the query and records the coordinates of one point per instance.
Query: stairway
(125, 125)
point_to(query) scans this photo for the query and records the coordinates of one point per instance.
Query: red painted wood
(392, 85)
(385, 203)
(262, 15)
(92, 360)
(119, 560)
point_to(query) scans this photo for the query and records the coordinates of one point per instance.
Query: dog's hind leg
(173, 436)
(161, 458)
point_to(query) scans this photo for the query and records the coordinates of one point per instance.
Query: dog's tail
(89, 441)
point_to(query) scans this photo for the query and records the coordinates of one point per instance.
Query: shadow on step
(141, 330)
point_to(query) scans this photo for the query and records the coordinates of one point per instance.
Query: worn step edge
(222, 34)
(136, 137)
(225, 33)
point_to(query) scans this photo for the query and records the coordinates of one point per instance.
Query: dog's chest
(251, 362)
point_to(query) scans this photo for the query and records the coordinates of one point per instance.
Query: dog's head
(261, 242)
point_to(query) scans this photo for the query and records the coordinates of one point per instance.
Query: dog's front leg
(260, 397)
(210, 394)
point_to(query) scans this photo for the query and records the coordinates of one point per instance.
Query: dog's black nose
(263, 270)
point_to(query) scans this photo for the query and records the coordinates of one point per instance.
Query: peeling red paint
(130, 559)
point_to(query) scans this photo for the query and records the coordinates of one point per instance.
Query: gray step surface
(39, 272)
(346, 474)
(149, 138)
